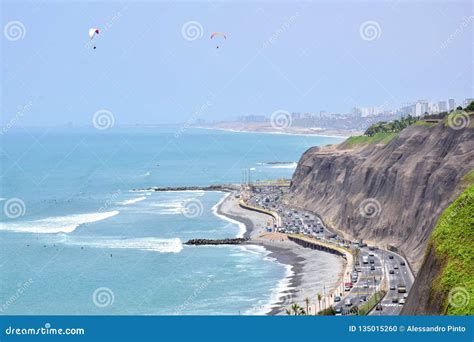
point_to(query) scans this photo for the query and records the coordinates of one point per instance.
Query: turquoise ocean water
(76, 239)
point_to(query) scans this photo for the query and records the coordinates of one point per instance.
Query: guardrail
(275, 216)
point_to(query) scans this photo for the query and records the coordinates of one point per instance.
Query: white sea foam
(282, 286)
(169, 208)
(242, 228)
(284, 166)
(146, 244)
(133, 200)
(57, 224)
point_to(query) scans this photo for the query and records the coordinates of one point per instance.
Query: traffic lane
(365, 286)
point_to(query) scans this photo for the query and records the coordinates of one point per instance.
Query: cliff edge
(391, 191)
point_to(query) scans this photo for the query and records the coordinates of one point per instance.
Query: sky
(156, 64)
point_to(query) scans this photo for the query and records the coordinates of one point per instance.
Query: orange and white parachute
(215, 35)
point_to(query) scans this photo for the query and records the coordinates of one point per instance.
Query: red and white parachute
(93, 33)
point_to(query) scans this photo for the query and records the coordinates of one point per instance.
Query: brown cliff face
(422, 300)
(390, 194)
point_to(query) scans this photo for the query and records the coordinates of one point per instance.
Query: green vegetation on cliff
(452, 240)
(394, 126)
(381, 137)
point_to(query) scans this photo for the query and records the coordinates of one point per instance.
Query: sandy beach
(313, 271)
(301, 131)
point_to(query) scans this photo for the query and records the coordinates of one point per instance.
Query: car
(347, 288)
(366, 285)
(363, 299)
(391, 272)
(390, 256)
(337, 299)
(405, 295)
(371, 254)
(394, 300)
(372, 261)
(372, 267)
(395, 267)
(401, 301)
(392, 287)
(402, 288)
(347, 302)
(379, 307)
(338, 311)
(402, 263)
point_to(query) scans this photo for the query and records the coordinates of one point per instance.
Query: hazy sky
(295, 56)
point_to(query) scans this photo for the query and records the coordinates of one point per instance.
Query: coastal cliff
(445, 283)
(390, 192)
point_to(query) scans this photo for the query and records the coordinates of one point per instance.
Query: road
(390, 270)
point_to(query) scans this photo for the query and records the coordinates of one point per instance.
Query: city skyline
(156, 64)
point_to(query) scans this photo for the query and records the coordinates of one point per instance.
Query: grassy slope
(381, 137)
(453, 239)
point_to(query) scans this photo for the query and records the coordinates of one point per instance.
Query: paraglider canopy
(92, 33)
(215, 34)
(218, 34)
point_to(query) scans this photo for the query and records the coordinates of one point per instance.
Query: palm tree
(296, 308)
(288, 311)
(306, 300)
(319, 300)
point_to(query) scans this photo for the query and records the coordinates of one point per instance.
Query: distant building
(451, 104)
(295, 116)
(253, 118)
(365, 112)
(467, 102)
(442, 106)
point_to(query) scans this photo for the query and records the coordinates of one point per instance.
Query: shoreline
(344, 135)
(215, 211)
(305, 275)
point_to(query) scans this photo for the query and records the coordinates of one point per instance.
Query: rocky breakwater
(201, 242)
(389, 193)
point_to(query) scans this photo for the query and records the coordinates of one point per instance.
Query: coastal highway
(370, 281)
(401, 275)
(382, 270)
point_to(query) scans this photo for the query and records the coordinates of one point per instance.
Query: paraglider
(216, 35)
(93, 32)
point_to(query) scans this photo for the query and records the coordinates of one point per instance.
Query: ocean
(80, 235)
